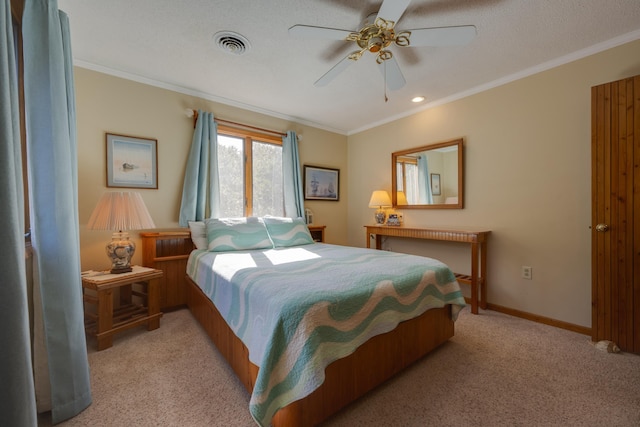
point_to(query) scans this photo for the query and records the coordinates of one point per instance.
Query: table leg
(483, 275)
(474, 278)
(153, 304)
(378, 240)
(105, 319)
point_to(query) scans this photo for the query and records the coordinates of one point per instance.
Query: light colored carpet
(497, 371)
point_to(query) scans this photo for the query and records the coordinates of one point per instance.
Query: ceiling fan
(377, 34)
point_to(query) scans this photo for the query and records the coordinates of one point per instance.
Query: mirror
(428, 177)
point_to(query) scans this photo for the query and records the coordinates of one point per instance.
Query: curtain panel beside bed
(293, 186)
(201, 180)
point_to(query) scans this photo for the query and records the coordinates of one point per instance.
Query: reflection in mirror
(428, 177)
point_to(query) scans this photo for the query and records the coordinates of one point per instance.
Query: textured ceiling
(169, 43)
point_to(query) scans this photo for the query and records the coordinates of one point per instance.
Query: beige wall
(110, 104)
(527, 153)
(527, 178)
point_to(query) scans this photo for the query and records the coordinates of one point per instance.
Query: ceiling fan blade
(333, 72)
(309, 31)
(392, 10)
(392, 74)
(442, 36)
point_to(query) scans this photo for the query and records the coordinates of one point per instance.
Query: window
(250, 167)
(407, 178)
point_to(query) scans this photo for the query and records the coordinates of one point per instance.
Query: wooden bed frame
(348, 378)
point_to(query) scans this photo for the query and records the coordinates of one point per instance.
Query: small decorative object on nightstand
(393, 220)
(139, 302)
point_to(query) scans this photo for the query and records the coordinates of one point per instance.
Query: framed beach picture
(132, 162)
(321, 183)
(435, 184)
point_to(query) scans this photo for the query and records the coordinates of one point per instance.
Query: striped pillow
(237, 234)
(286, 232)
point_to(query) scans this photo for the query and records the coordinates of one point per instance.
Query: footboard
(348, 378)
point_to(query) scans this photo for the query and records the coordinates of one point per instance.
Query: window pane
(231, 168)
(400, 176)
(412, 183)
(267, 179)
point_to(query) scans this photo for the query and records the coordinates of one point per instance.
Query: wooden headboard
(169, 251)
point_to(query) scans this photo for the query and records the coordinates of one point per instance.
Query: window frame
(248, 137)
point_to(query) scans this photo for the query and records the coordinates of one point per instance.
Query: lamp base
(120, 270)
(380, 216)
(120, 250)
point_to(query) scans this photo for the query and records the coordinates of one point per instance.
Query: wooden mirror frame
(394, 184)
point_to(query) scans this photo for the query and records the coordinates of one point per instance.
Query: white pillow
(198, 234)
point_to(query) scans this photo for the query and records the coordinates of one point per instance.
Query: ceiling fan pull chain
(385, 82)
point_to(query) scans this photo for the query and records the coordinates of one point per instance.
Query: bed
(309, 327)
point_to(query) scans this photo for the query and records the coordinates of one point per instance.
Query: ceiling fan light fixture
(384, 55)
(374, 44)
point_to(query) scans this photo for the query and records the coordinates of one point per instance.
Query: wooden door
(615, 148)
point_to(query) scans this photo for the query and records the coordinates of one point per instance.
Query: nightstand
(317, 232)
(138, 302)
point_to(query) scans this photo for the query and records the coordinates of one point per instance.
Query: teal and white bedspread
(297, 309)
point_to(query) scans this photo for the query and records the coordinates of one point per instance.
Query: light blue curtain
(17, 395)
(201, 179)
(424, 183)
(293, 186)
(53, 187)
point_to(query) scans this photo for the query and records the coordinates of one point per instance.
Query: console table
(477, 238)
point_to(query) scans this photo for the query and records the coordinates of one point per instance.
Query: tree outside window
(250, 168)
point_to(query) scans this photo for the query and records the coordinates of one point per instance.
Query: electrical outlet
(527, 272)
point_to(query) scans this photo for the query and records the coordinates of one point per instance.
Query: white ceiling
(169, 43)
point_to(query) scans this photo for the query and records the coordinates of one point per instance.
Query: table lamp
(380, 199)
(120, 211)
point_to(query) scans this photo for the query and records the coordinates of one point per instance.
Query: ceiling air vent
(231, 42)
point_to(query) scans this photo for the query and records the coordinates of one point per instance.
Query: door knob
(602, 228)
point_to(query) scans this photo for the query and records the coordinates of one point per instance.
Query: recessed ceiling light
(418, 99)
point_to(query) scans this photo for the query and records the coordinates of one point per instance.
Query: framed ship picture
(321, 183)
